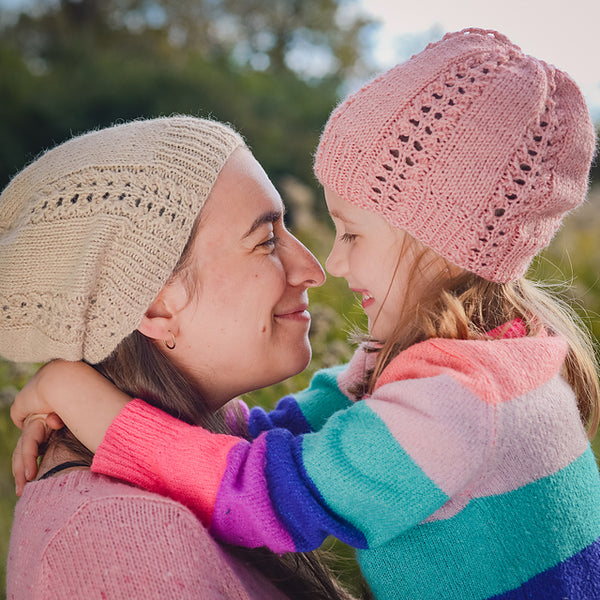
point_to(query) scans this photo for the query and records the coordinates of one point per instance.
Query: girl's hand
(62, 393)
(35, 397)
(35, 432)
(32, 413)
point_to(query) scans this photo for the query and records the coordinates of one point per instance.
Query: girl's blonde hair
(456, 304)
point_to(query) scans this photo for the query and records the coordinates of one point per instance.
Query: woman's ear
(161, 319)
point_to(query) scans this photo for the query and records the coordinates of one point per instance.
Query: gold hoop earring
(171, 345)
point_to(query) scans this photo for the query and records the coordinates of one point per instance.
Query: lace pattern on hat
(412, 143)
(526, 181)
(119, 192)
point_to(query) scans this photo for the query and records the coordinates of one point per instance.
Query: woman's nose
(304, 268)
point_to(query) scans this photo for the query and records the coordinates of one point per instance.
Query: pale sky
(565, 33)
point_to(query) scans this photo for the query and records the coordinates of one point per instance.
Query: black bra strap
(62, 467)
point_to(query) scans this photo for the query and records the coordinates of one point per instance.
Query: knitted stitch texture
(472, 147)
(85, 536)
(466, 474)
(91, 231)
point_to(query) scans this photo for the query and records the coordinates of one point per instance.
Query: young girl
(451, 451)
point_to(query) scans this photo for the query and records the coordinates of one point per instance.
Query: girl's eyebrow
(338, 215)
(271, 216)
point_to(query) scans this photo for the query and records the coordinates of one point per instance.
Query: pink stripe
(538, 434)
(443, 426)
(470, 448)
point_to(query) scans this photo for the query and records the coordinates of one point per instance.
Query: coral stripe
(496, 371)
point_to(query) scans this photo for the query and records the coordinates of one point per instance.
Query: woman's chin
(298, 361)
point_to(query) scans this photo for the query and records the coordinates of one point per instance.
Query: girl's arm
(85, 401)
(307, 411)
(352, 479)
(373, 470)
(76, 391)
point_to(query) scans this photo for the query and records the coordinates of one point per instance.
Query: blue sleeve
(305, 411)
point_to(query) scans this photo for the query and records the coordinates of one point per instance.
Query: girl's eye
(348, 237)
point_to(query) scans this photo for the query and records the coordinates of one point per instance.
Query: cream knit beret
(91, 231)
(471, 146)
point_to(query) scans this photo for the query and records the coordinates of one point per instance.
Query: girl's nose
(334, 262)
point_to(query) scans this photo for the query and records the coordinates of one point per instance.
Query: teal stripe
(496, 543)
(322, 398)
(367, 477)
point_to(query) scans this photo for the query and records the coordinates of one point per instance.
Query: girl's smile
(367, 299)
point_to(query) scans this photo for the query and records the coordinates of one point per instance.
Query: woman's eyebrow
(271, 216)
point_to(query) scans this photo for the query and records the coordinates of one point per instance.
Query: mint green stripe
(322, 398)
(496, 543)
(366, 477)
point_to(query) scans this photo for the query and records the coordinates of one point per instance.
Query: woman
(156, 251)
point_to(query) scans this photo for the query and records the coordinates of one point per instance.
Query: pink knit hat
(472, 147)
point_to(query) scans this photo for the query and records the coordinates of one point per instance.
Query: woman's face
(246, 326)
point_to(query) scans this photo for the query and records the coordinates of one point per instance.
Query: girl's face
(365, 253)
(246, 326)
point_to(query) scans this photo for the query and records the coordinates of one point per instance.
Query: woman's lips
(299, 313)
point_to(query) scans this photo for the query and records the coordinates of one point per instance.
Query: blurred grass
(573, 255)
(12, 377)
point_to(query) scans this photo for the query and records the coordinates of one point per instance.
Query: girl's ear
(161, 318)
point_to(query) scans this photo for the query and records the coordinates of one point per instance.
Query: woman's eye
(270, 242)
(348, 237)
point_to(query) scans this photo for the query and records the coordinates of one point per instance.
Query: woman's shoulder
(83, 491)
(89, 504)
(91, 529)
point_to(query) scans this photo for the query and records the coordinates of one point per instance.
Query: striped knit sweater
(466, 474)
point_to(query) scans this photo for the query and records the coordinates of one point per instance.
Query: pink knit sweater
(87, 536)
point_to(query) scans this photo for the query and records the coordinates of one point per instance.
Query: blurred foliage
(12, 377)
(271, 68)
(70, 66)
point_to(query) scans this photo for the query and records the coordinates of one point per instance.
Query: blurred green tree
(69, 66)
